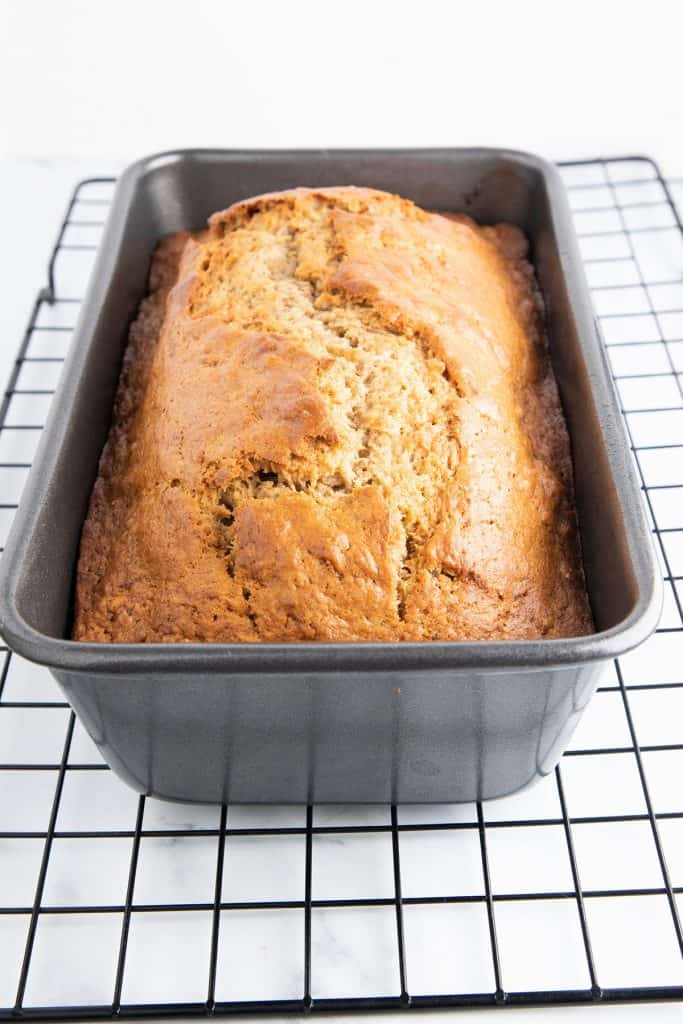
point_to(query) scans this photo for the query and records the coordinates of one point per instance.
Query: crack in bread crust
(336, 421)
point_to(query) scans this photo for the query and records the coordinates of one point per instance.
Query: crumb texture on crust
(336, 421)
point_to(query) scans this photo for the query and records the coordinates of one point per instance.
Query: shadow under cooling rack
(117, 905)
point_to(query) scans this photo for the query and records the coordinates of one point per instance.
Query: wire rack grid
(113, 904)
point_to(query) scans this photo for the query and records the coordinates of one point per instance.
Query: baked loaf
(336, 421)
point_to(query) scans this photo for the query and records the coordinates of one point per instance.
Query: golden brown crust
(336, 421)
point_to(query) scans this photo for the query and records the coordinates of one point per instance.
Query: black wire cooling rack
(117, 905)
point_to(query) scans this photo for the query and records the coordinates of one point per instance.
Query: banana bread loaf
(336, 421)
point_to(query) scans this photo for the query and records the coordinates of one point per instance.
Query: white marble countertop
(32, 200)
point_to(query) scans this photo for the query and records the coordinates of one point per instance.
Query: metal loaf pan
(329, 722)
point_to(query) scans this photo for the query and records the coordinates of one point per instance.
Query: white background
(83, 79)
(88, 86)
